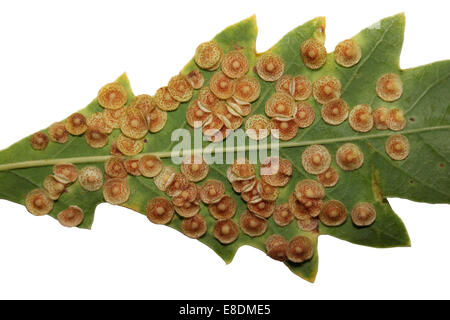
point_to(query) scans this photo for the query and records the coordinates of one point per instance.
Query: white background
(54, 56)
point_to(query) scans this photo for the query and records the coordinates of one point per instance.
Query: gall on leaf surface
(422, 176)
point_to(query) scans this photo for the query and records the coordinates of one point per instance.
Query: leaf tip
(123, 77)
(401, 18)
(311, 278)
(407, 242)
(319, 33)
(401, 15)
(308, 276)
(228, 258)
(321, 25)
(321, 21)
(252, 25)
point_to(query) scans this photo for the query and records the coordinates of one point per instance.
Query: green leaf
(422, 176)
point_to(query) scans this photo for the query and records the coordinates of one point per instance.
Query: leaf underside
(423, 176)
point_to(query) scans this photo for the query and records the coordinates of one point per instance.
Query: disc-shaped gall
(225, 231)
(280, 105)
(252, 225)
(282, 215)
(380, 116)
(349, 157)
(97, 121)
(133, 124)
(262, 209)
(333, 213)
(335, 112)
(58, 132)
(313, 206)
(212, 191)
(229, 117)
(301, 88)
(284, 84)
(95, 138)
(165, 101)
(304, 115)
(158, 119)
(326, 88)
(235, 64)
(267, 192)
(70, 217)
(360, 118)
(396, 119)
(300, 249)
(150, 165)
(38, 203)
(159, 210)
(243, 169)
(195, 115)
(270, 67)
(257, 127)
(364, 214)
(224, 209)
(276, 247)
(213, 125)
(194, 167)
(39, 141)
(207, 99)
(76, 124)
(132, 167)
(316, 159)
(180, 89)
(313, 53)
(112, 117)
(219, 136)
(195, 79)
(115, 168)
(113, 150)
(309, 194)
(397, 147)
(177, 185)
(283, 128)
(329, 178)
(208, 55)
(90, 178)
(247, 89)
(308, 224)
(128, 146)
(221, 85)
(389, 87)
(164, 178)
(53, 187)
(347, 53)
(116, 191)
(65, 173)
(112, 96)
(194, 227)
(309, 189)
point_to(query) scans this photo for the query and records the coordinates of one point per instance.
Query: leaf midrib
(168, 154)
